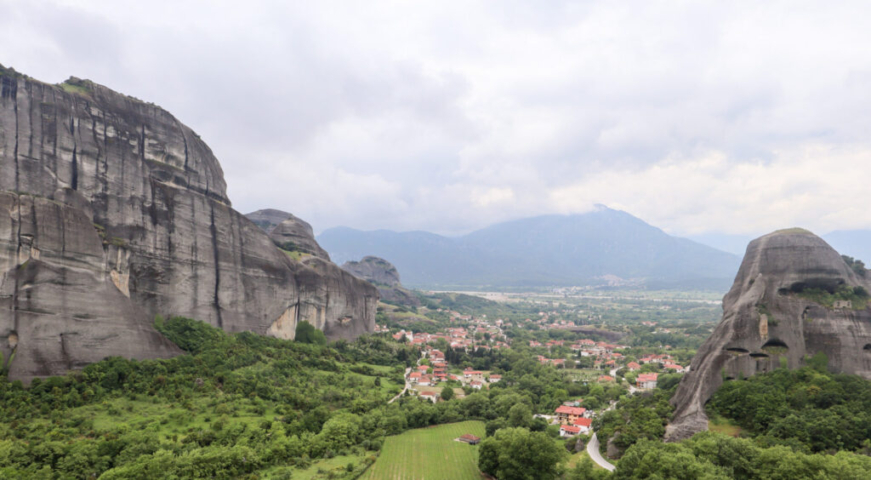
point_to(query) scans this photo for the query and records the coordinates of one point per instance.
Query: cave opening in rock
(775, 346)
(737, 350)
(758, 355)
(867, 347)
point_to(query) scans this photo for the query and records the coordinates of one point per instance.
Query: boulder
(113, 211)
(770, 320)
(385, 276)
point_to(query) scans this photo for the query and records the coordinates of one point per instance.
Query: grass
(296, 254)
(722, 425)
(323, 468)
(79, 89)
(429, 454)
(436, 388)
(581, 374)
(579, 457)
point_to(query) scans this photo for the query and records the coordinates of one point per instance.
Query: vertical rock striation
(112, 211)
(769, 321)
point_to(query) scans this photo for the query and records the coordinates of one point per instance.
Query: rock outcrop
(288, 232)
(112, 211)
(771, 318)
(385, 276)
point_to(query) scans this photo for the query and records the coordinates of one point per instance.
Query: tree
(518, 454)
(307, 333)
(447, 394)
(520, 416)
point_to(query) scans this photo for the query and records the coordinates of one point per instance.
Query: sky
(699, 117)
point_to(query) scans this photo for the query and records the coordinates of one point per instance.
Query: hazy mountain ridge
(544, 250)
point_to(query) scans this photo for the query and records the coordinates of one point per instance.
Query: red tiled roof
(571, 429)
(563, 409)
(583, 422)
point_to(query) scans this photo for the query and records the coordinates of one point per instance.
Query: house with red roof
(632, 366)
(675, 367)
(567, 415)
(569, 431)
(495, 378)
(646, 380)
(584, 424)
(606, 378)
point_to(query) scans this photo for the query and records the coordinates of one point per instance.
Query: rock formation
(112, 211)
(383, 275)
(289, 232)
(772, 316)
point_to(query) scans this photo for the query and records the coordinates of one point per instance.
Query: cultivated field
(429, 454)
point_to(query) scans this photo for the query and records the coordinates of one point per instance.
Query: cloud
(448, 116)
(815, 186)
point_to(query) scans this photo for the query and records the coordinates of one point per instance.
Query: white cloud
(815, 186)
(447, 116)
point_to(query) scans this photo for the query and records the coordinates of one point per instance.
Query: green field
(429, 454)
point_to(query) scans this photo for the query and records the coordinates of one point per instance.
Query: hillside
(541, 251)
(113, 211)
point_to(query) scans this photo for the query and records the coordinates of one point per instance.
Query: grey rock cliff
(288, 232)
(765, 321)
(113, 211)
(385, 276)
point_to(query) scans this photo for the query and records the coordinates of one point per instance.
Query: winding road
(407, 386)
(593, 452)
(407, 383)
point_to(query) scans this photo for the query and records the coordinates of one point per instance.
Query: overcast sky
(698, 117)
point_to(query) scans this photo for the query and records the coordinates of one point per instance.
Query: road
(613, 373)
(407, 384)
(593, 452)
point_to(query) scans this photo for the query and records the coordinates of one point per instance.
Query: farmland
(429, 453)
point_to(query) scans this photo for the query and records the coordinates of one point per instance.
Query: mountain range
(604, 245)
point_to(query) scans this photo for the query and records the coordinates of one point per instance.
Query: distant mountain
(855, 243)
(541, 251)
(732, 243)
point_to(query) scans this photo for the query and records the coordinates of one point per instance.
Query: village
(583, 360)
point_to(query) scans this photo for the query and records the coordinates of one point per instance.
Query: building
(473, 375)
(675, 367)
(476, 384)
(569, 431)
(495, 378)
(414, 377)
(633, 367)
(430, 395)
(584, 424)
(470, 439)
(567, 415)
(646, 380)
(606, 378)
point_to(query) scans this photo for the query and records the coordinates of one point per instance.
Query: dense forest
(247, 406)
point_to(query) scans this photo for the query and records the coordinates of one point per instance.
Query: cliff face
(113, 211)
(385, 276)
(769, 318)
(288, 232)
